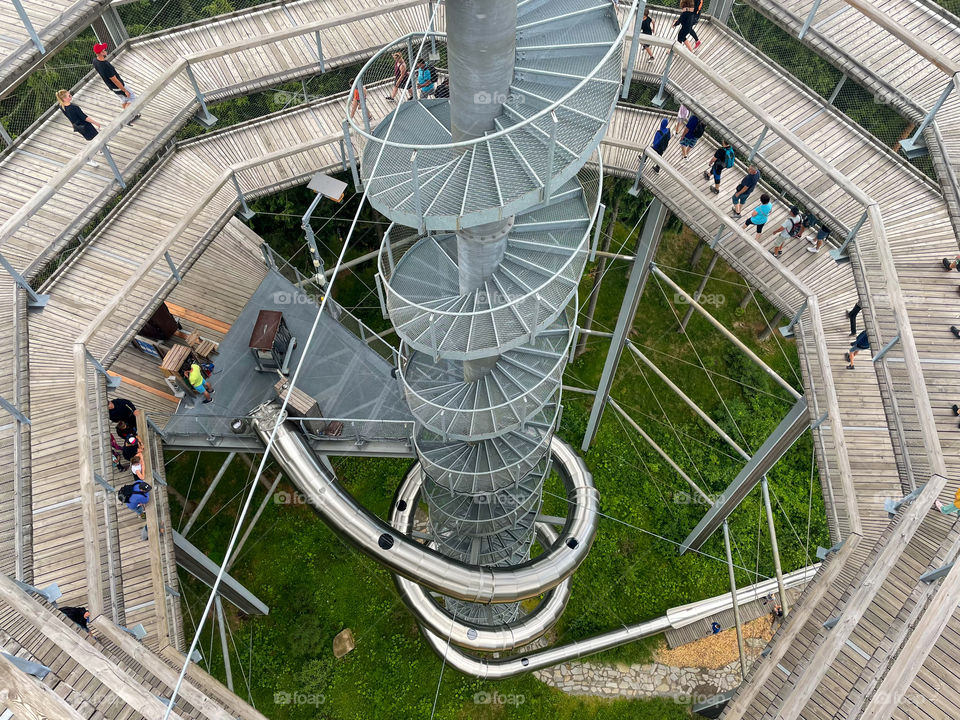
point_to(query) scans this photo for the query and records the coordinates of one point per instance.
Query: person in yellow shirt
(196, 379)
(953, 508)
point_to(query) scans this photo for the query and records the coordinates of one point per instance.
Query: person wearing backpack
(135, 496)
(661, 140)
(692, 132)
(792, 228)
(746, 186)
(718, 164)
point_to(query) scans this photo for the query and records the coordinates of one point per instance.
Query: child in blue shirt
(424, 79)
(760, 214)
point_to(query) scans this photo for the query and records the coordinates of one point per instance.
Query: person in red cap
(111, 77)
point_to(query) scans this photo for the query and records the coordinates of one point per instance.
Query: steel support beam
(660, 99)
(646, 250)
(203, 117)
(915, 146)
(223, 642)
(206, 496)
(779, 441)
(256, 516)
(775, 546)
(721, 10)
(113, 381)
(733, 595)
(35, 301)
(634, 47)
(191, 559)
(245, 212)
(809, 21)
(28, 26)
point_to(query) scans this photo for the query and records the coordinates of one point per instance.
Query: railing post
(720, 10)
(34, 300)
(28, 26)
(320, 52)
(756, 146)
(353, 159)
(417, 200)
(5, 136)
(203, 117)
(113, 381)
(434, 55)
(411, 69)
(113, 166)
(433, 337)
(343, 155)
(311, 238)
(245, 212)
(551, 149)
(597, 225)
(383, 300)
(809, 21)
(634, 45)
(660, 99)
(635, 189)
(173, 267)
(840, 254)
(787, 330)
(388, 244)
(886, 348)
(717, 237)
(915, 147)
(362, 92)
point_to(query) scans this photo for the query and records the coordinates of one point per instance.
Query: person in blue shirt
(760, 214)
(424, 79)
(689, 139)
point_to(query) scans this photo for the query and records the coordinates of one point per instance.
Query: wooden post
(140, 699)
(29, 699)
(158, 668)
(153, 537)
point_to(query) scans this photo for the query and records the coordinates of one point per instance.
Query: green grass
(316, 585)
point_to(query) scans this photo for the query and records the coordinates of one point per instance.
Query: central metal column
(481, 46)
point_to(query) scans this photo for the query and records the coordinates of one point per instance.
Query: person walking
(78, 119)
(111, 77)
(954, 507)
(852, 315)
(818, 238)
(746, 186)
(79, 615)
(685, 21)
(400, 76)
(425, 79)
(661, 140)
(949, 264)
(861, 343)
(647, 27)
(135, 496)
(792, 227)
(760, 215)
(697, 9)
(683, 114)
(692, 132)
(722, 158)
(122, 410)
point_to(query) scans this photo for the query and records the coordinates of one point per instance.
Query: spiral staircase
(484, 434)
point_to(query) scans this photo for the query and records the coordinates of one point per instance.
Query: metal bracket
(112, 381)
(787, 330)
(892, 506)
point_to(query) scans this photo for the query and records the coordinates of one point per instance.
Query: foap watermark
(715, 299)
(485, 98)
(287, 498)
(300, 298)
(488, 697)
(284, 697)
(685, 498)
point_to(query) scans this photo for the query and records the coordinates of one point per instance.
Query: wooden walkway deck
(888, 66)
(55, 22)
(908, 202)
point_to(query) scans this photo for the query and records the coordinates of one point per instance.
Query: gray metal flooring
(346, 377)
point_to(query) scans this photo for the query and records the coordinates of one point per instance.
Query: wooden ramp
(889, 66)
(55, 22)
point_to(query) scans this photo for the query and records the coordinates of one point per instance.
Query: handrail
(872, 210)
(922, 48)
(581, 250)
(615, 46)
(833, 403)
(68, 171)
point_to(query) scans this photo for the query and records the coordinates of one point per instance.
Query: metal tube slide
(488, 669)
(408, 558)
(491, 669)
(481, 638)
